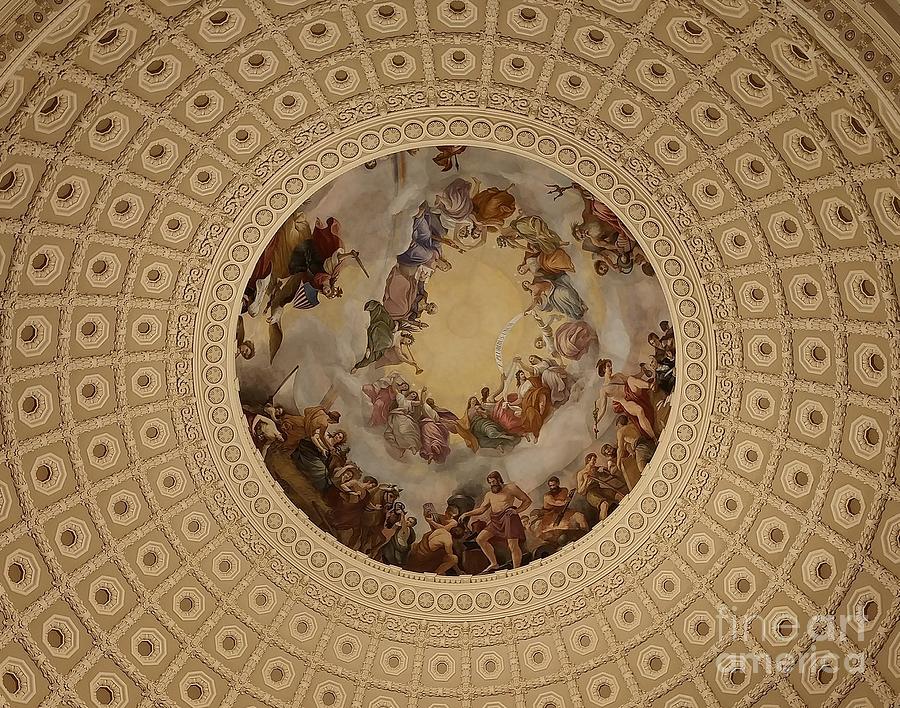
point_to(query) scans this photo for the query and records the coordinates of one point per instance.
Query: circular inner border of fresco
(644, 511)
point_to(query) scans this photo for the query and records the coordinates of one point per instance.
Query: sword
(359, 262)
(281, 385)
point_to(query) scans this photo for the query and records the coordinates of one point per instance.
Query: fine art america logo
(814, 654)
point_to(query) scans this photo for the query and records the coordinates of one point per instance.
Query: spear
(281, 385)
(359, 263)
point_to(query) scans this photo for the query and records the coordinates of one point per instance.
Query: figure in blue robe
(556, 295)
(427, 237)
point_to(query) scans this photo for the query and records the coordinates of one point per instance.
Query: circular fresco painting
(453, 360)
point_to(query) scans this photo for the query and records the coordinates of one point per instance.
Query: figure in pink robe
(400, 292)
(508, 414)
(383, 396)
(573, 339)
(435, 434)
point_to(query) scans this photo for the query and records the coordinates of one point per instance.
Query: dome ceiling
(441, 332)
(152, 152)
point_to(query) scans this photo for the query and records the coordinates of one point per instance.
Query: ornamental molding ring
(649, 514)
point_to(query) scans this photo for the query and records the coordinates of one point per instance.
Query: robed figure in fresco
(604, 235)
(629, 395)
(382, 394)
(571, 340)
(428, 238)
(473, 211)
(405, 297)
(313, 269)
(548, 265)
(544, 249)
(297, 269)
(385, 345)
(479, 429)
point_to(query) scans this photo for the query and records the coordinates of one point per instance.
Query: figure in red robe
(313, 270)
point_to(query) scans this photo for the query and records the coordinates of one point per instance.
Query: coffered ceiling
(150, 149)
